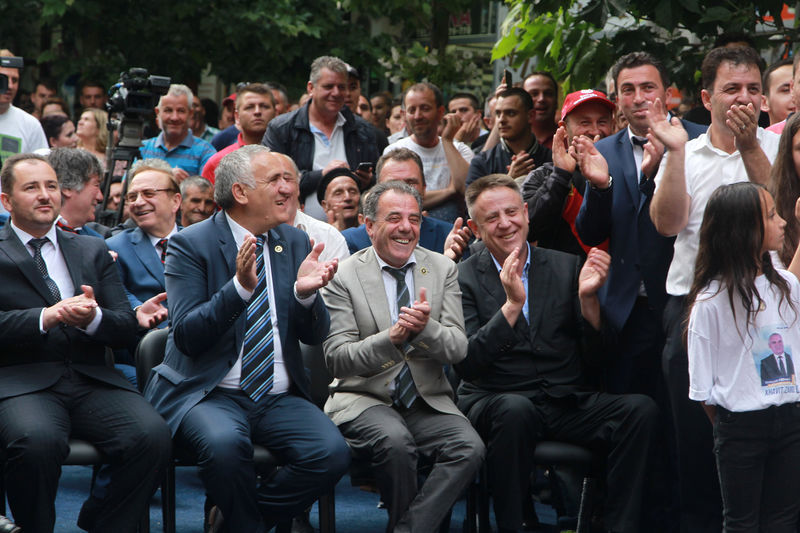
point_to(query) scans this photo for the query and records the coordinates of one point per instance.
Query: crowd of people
(480, 278)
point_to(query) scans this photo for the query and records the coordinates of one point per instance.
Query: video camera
(8, 62)
(131, 101)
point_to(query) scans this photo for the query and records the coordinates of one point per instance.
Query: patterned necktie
(404, 390)
(37, 244)
(257, 352)
(163, 245)
(64, 227)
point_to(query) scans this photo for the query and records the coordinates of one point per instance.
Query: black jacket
(290, 134)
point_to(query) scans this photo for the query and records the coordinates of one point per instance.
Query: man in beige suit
(391, 399)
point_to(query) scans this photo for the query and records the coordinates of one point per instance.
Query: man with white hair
(176, 145)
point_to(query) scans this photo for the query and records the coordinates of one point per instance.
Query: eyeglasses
(147, 194)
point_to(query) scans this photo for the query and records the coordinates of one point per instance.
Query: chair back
(149, 353)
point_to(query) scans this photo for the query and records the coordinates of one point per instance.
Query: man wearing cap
(338, 195)
(19, 132)
(518, 151)
(324, 134)
(554, 191)
(255, 107)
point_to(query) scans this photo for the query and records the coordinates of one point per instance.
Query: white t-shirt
(706, 169)
(20, 133)
(437, 173)
(733, 366)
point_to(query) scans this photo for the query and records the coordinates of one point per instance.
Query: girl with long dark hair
(785, 185)
(743, 335)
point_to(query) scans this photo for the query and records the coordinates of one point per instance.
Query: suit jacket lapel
(147, 254)
(282, 270)
(16, 251)
(228, 251)
(490, 279)
(72, 256)
(371, 278)
(629, 178)
(538, 283)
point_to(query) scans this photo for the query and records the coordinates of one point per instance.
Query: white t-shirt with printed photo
(735, 366)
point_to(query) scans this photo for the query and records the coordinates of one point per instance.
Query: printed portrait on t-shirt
(773, 358)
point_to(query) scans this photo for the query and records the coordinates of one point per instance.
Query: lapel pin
(278, 249)
(423, 270)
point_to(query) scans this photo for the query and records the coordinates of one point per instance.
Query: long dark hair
(785, 188)
(731, 241)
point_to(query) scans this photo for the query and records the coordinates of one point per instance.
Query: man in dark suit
(532, 319)
(243, 291)
(61, 303)
(405, 165)
(777, 366)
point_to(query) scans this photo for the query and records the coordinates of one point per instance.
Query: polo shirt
(191, 154)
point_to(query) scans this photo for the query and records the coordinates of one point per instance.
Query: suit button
(205, 392)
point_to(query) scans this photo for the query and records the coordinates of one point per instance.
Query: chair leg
(585, 509)
(473, 493)
(484, 525)
(144, 521)
(327, 512)
(168, 499)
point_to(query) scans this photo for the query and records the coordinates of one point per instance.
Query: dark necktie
(257, 352)
(404, 390)
(37, 244)
(64, 227)
(781, 365)
(645, 185)
(162, 244)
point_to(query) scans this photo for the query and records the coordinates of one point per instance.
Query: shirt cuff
(243, 293)
(41, 322)
(91, 329)
(305, 302)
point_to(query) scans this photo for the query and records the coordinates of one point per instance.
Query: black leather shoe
(88, 515)
(7, 526)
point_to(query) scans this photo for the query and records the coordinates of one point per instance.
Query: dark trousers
(700, 503)
(620, 426)
(221, 430)
(634, 367)
(35, 427)
(393, 439)
(758, 457)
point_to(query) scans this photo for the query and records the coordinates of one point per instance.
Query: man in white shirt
(20, 133)
(445, 160)
(734, 149)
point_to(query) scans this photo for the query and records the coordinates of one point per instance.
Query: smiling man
(78, 174)
(62, 304)
(324, 133)
(153, 200)
(233, 374)
(386, 350)
(197, 200)
(338, 195)
(175, 144)
(734, 149)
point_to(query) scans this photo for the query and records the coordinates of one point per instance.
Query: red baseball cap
(577, 98)
(230, 98)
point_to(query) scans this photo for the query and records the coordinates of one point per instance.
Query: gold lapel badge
(278, 249)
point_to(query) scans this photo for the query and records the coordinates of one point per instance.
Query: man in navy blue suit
(243, 293)
(153, 199)
(79, 175)
(617, 208)
(437, 235)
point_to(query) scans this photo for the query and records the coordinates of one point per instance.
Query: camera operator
(19, 131)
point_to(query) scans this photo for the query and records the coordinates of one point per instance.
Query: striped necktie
(404, 390)
(257, 352)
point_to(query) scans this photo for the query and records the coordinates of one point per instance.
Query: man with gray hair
(176, 145)
(386, 350)
(78, 174)
(324, 134)
(197, 200)
(233, 373)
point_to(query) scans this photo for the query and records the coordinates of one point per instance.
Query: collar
(531, 149)
(239, 232)
(24, 236)
(186, 142)
(412, 260)
(340, 120)
(525, 269)
(154, 240)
